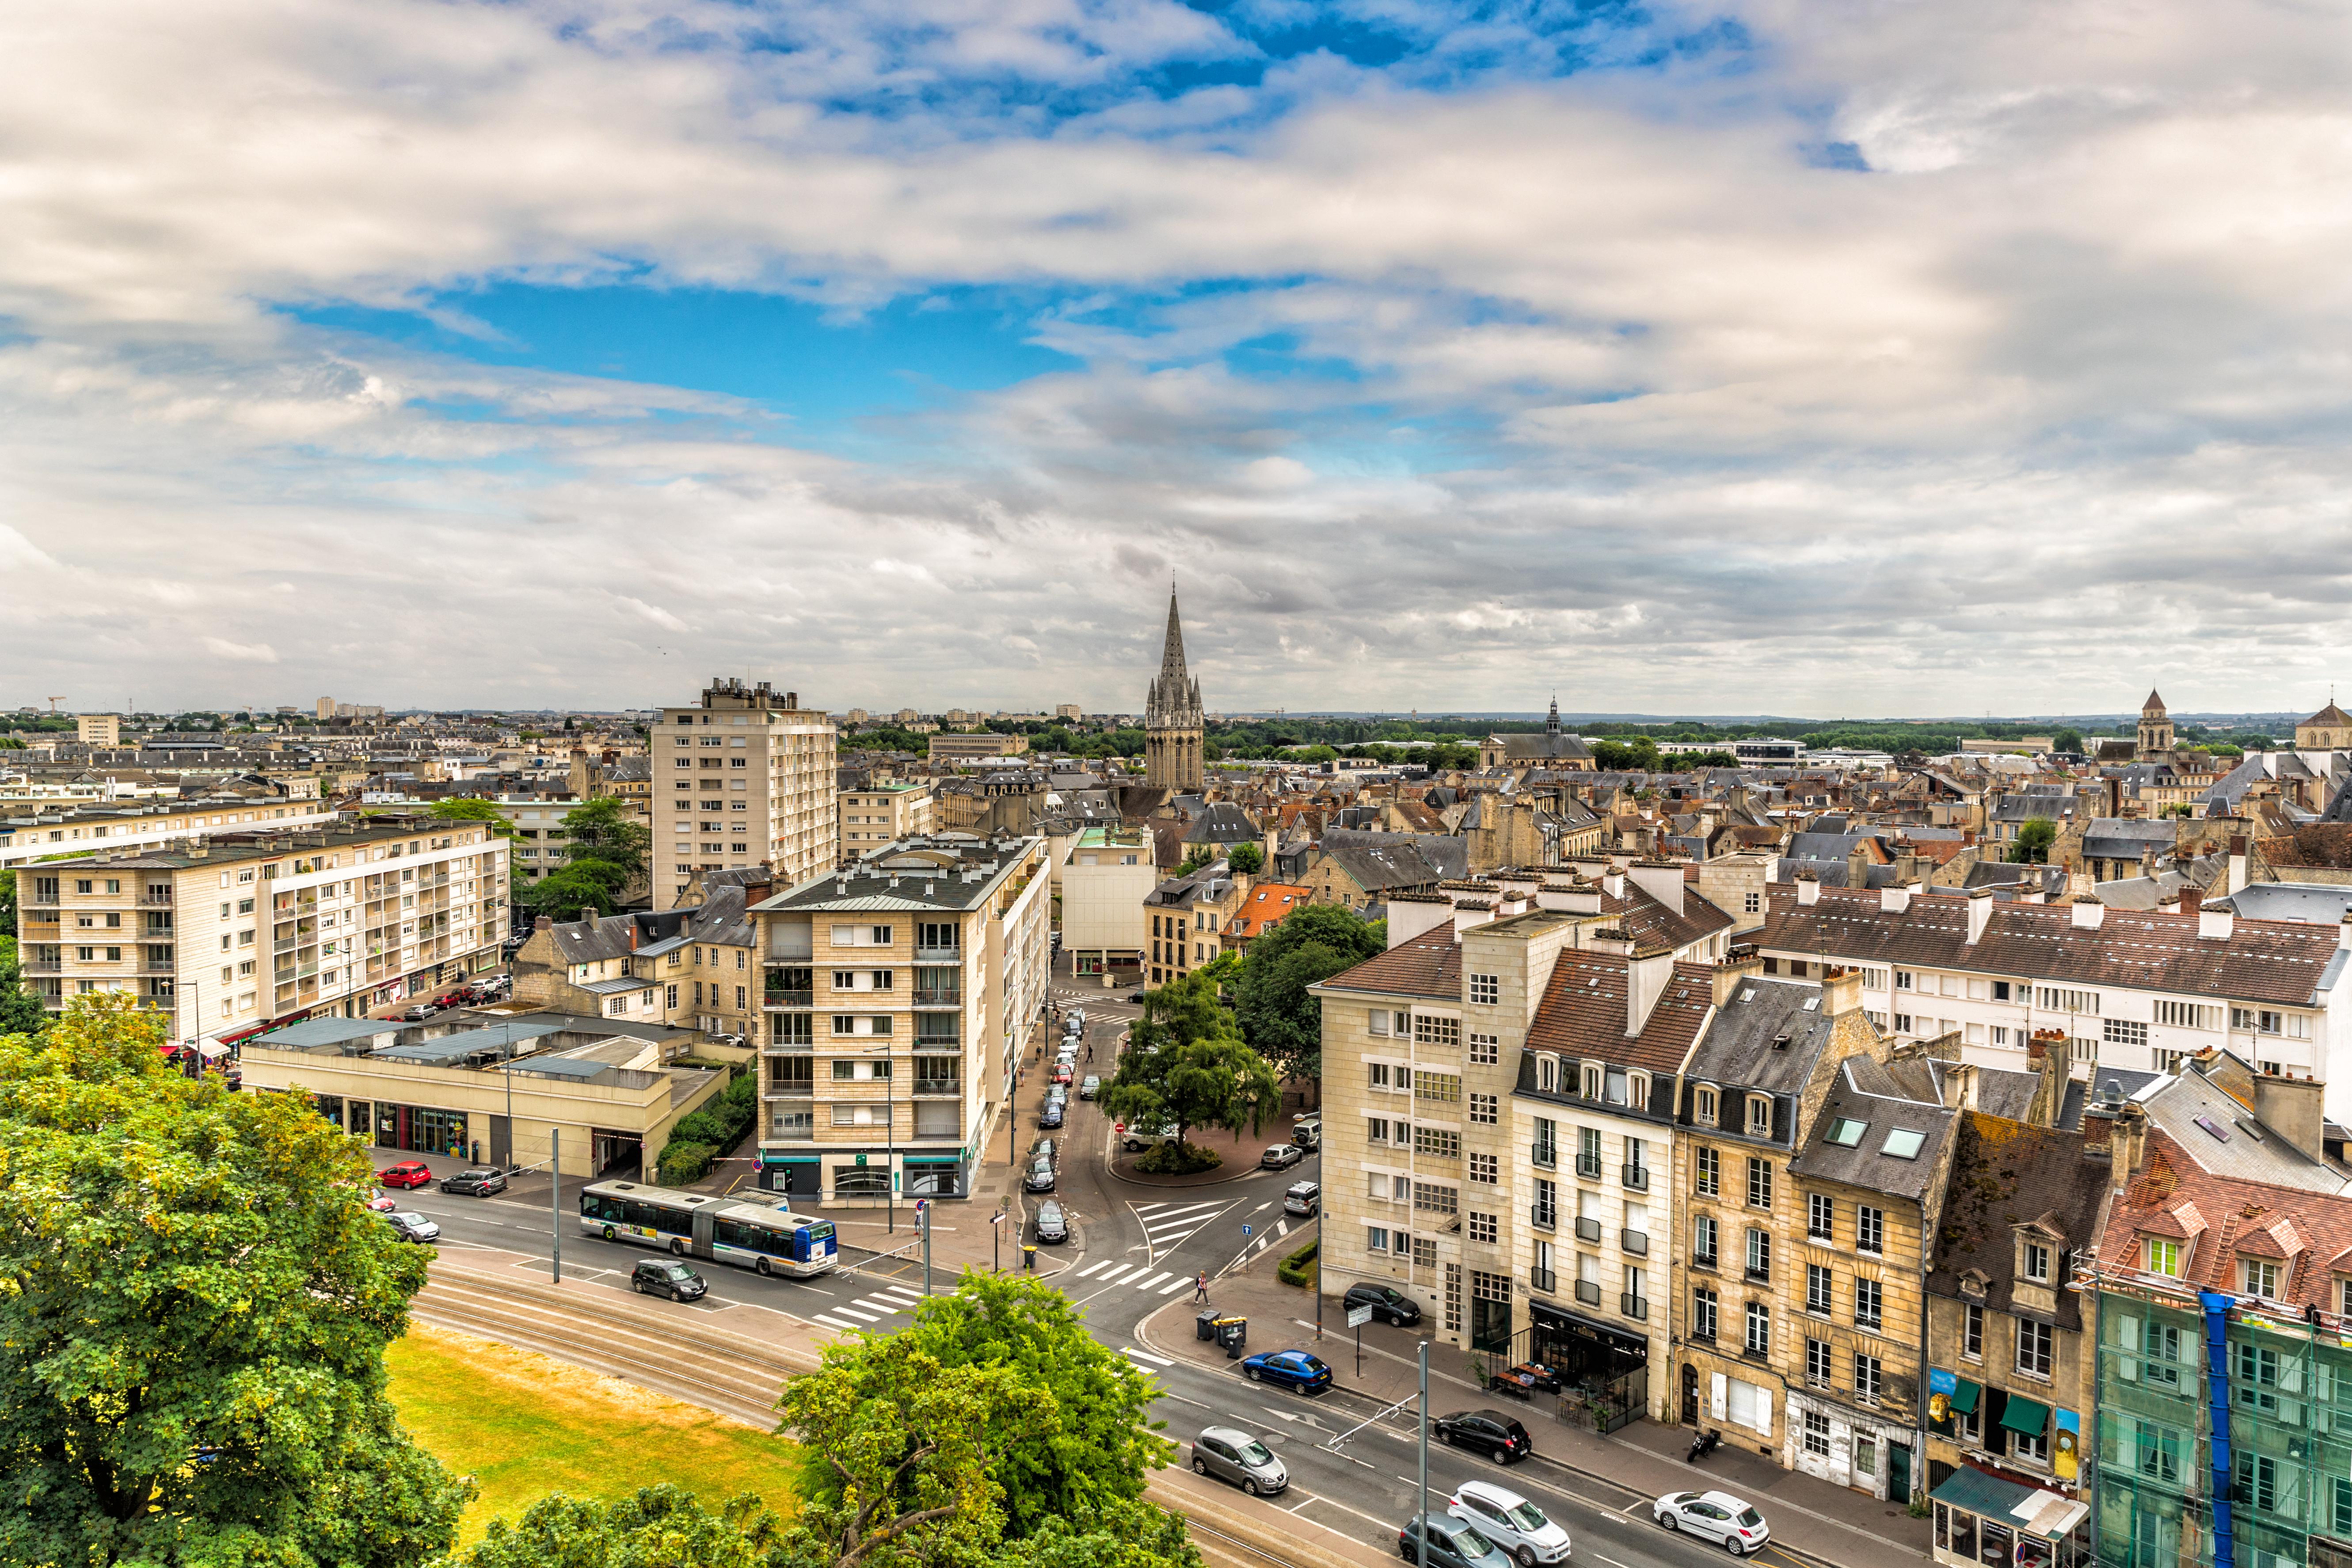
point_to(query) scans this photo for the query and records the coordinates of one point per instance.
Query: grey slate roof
(1868, 1164)
(2245, 1150)
(1737, 1050)
(2317, 903)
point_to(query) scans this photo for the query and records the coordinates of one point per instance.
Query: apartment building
(978, 746)
(1103, 878)
(1186, 918)
(245, 930)
(899, 993)
(882, 813)
(743, 778)
(2136, 990)
(34, 830)
(98, 728)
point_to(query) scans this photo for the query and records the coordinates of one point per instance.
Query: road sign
(861, 1159)
(1359, 1316)
(1246, 1231)
(998, 1218)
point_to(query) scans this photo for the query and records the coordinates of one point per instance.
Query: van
(1307, 1131)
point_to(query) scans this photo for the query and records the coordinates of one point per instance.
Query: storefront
(799, 1178)
(413, 1129)
(1985, 1521)
(1835, 1443)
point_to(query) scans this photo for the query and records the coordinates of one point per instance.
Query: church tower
(1171, 718)
(2155, 730)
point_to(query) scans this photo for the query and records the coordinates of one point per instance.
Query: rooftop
(941, 872)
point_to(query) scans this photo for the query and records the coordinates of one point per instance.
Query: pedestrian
(1199, 1287)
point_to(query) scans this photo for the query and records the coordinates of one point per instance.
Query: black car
(1490, 1432)
(675, 1281)
(1136, 994)
(1051, 1116)
(1053, 1225)
(480, 1182)
(1040, 1178)
(1388, 1305)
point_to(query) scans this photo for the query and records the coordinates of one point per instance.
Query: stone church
(1173, 726)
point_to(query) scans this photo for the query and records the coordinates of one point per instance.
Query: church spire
(1172, 652)
(1551, 724)
(1172, 719)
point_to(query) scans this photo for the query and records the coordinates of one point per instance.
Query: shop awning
(1964, 1396)
(2024, 1415)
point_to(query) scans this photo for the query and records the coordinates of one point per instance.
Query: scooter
(1703, 1444)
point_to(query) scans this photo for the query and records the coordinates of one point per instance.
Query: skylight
(1903, 1144)
(1846, 1132)
(2220, 1132)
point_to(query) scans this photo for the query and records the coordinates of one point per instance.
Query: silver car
(1510, 1522)
(1714, 1516)
(1234, 1456)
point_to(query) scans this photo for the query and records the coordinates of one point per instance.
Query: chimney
(1894, 899)
(1647, 970)
(2215, 925)
(2128, 1145)
(1744, 964)
(1980, 913)
(1840, 992)
(1809, 889)
(2237, 862)
(2291, 1108)
(1612, 883)
(1857, 867)
(543, 924)
(2344, 933)
(2089, 913)
(2032, 892)
(1415, 914)
(2191, 899)
(2049, 1067)
(1662, 880)
(1471, 912)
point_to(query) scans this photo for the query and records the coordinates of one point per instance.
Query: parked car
(1063, 1072)
(480, 1182)
(662, 1276)
(382, 1202)
(1510, 1522)
(1281, 1157)
(418, 1014)
(1714, 1516)
(1292, 1369)
(1043, 1149)
(1234, 1456)
(1053, 1225)
(452, 999)
(1450, 1543)
(1076, 1016)
(1139, 1138)
(1301, 1198)
(1051, 1114)
(408, 1173)
(1388, 1303)
(1090, 1085)
(1491, 1432)
(1307, 1131)
(1136, 996)
(1040, 1178)
(413, 1227)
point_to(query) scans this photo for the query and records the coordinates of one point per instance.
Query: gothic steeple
(1172, 719)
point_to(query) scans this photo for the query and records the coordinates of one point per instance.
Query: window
(1432, 1198)
(1442, 1087)
(1903, 1022)
(1817, 1363)
(1869, 1228)
(2257, 1480)
(1424, 1252)
(2187, 1016)
(1816, 1290)
(2033, 1347)
(1440, 1143)
(1482, 1228)
(1760, 1116)
(2155, 1452)
(1902, 980)
(1544, 1151)
(1706, 1173)
(1760, 1184)
(1486, 1109)
(1972, 1331)
(1704, 1234)
(1485, 1050)
(1591, 1081)
(1703, 1106)
(1821, 1217)
(1868, 1374)
(1377, 1022)
(1588, 1151)
(2124, 1032)
(1760, 1329)
(1869, 1303)
(2033, 1262)
(2261, 1277)
(1817, 1431)
(1376, 1238)
(1759, 1254)
(1548, 1075)
(1444, 1033)
(1903, 1144)
(2161, 1254)
(1637, 1090)
(1484, 1169)
(1846, 1132)
(2061, 1000)
(1703, 1313)
(1486, 990)
(1376, 1074)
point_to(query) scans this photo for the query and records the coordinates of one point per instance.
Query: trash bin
(1029, 1257)
(1233, 1334)
(1204, 1327)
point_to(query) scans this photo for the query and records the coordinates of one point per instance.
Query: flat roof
(502, 1038)
(305, 1033)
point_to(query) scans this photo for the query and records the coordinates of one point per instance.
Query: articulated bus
(750, 1230)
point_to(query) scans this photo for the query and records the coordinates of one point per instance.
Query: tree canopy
(1187, 1065)
(2032, 846)
(192, 1339)
(1313, 942)
(1247, 859)
(604, 830)
(470, 808)
(661, 1527)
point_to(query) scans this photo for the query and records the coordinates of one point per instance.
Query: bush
(1298, 1268)
(683, 1160)
(1172, 1159)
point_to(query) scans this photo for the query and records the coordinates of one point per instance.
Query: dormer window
(1548, 1075)
(1704, 1108)
(1591, 1080)
(1760, 1116)
(2259, 1276)
(1637, 1090)
(2161, 1254)
(2033, 1262)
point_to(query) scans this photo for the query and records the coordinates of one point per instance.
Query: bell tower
(1173, 724)
(2155, 730)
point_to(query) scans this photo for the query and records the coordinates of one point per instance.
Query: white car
(1510, 1522)
(1714, 1516)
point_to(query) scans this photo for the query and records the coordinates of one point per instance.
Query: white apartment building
(743, 778)
(2129, 988)
(33, 830)
(239, 934)
(881, 814)
(899, 993)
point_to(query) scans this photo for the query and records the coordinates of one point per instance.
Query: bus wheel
(609, 1234)
(764, 1268)
(677, 1248)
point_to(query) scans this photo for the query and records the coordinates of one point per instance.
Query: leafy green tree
(7, 903)
(1187, 1065)
(21, 1011)
(1125, 1535)
(470, 808)
(1247, 859)
(192, 1334)
(604, 830)
(2032, 846)
(578, 889)
(1313, 942)
(2067, 740)
(661, 1527)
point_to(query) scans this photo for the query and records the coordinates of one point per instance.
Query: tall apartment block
(242, 932)
(745, 777)
(899, 993)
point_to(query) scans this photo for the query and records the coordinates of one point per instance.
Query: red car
(408, 1173)
(1061, 1072)
(382, 1202)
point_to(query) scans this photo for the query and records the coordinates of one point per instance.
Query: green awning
(1964, 1396)
(2024, 1415)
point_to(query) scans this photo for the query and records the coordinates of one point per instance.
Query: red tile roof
(1265, 906)
(2310, 1232)
(1583, 1013)
(1429, 965)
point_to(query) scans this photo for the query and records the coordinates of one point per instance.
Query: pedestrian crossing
(1138, 1276)
(1166, 1224)
(869, 1312)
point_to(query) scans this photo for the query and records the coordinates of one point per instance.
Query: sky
(1845, 357)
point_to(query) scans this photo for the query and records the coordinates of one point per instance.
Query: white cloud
(240, 653)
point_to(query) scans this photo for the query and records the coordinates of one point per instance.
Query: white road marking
(829, 1323)
(1145, 1355)
(1179, 1285)
(1282, 1227)
(878, 1304)
(1147, 1284)
(1125, 1271)
(853, 1312)
(1094, 1269)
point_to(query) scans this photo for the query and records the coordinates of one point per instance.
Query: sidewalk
(1827, 1521)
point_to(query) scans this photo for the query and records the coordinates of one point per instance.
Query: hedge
(684, 1162)
(725, 1120)
(1295, 1271)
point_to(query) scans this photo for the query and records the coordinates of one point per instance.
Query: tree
(1187, 1065)
(1314, 942)
(21, 1011)
(661, 1527)
(469, 808)
(2067, 740)
(577, 890)
(7, 903)
(192, 1338)
(1247, 859)
(2032, 846)
(604, 830)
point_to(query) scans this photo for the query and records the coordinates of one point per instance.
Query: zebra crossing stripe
(1094, 1269)
(899, 1293)
(882, 1305)
(1145, 1355)
(831, 1323)
(854, 1312)
(1124, 1271)
(1177, 1284)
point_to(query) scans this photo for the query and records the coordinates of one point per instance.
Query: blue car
(1295, 1369)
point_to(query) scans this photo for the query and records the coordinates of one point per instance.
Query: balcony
(936, 997)
(791, 1047)
(1543, 1279)
(1588, 1291)
(1633, 1306)
(791, 998)
(925, 955)
(1544, 1157)
(938, 1085)
(1589, 1166)
(1543, 1217)
(51, 967)
(1636, 1177)
(1588, 1230)
(1636, 1242)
